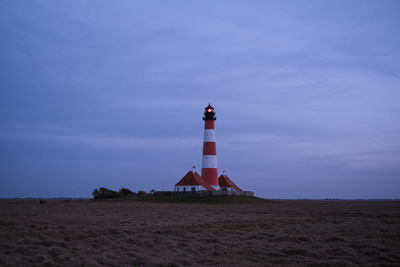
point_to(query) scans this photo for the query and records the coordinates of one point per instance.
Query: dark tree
(125, 192)
(141, 193)
(103, 193)
(96, 193)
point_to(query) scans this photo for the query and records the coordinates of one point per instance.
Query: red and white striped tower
(209, 171)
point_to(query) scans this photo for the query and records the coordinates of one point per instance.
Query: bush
(141, 193)
(95, 193)
(103, 193)
(125, 192)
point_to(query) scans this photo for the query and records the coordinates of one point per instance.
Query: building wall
(206, 193)
(230, 189)
(188, 188)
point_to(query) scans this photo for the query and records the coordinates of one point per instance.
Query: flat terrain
(86, 232)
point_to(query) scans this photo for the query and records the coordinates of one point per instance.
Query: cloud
(300, 86)
(52, 135)
(354, 152)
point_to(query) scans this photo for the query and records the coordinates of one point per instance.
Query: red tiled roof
(193, 178)
(224, 181)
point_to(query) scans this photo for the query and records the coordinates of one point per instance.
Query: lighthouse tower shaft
(209, 171)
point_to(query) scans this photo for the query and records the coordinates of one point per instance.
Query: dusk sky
(111, 93)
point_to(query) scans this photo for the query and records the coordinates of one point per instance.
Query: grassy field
(148, 233)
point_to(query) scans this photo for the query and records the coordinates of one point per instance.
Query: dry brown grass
(87, 232)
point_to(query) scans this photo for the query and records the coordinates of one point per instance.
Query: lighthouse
(208, 181)
(209, 171)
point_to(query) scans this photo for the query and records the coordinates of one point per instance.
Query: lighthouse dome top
(209, 114)
(209, 107)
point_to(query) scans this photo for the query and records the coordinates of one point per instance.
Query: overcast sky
(111, 93)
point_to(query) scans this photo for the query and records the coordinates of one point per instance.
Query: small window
(193, 189)
(184, 189)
